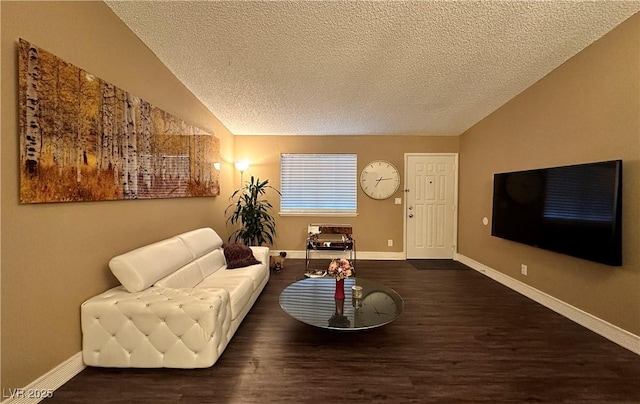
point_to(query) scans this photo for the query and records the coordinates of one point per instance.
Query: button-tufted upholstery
(178, 305)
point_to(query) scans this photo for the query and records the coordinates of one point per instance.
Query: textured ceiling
(347, 67)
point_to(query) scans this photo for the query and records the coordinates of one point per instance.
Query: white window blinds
(318, 184)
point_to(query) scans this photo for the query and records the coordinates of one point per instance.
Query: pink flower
(333, 267)
(340, 268)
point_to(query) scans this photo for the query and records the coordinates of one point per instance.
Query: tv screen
(574, 210)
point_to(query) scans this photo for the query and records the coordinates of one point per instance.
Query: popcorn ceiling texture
(346, 67)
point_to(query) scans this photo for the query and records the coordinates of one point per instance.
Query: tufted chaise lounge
(178, 305)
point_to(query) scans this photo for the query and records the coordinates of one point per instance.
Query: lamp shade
(242, 165)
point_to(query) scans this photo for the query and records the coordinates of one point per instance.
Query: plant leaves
(257, 226)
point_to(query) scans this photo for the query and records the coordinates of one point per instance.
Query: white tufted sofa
(178, 305)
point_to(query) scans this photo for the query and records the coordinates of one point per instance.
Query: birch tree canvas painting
(83, 139)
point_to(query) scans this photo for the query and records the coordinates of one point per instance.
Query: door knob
(410, 215)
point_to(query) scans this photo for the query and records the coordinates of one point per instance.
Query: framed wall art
(84, 139)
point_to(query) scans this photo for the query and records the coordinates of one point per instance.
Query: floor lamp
(241, 166)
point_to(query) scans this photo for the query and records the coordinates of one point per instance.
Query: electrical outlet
(390, 243)
(523, 269)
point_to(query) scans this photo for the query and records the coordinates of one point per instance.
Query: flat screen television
(574, 210)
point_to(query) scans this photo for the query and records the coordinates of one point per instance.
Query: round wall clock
(379, 179)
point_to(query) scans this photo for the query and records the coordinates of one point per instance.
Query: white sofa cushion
(140, 268)
(158, 327)
(261, 254)
(239, 286)
(186, 277)
(201, 241)
(253, 272)
(211, 262)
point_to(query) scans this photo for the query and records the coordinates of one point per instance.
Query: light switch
(398, 201)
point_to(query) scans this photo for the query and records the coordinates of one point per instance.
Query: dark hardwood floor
(462, 338)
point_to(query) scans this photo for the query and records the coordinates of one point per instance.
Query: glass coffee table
(312, 302)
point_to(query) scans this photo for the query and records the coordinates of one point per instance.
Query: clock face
(378, 308)
(379, 179)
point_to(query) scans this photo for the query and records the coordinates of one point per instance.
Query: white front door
(430, 209)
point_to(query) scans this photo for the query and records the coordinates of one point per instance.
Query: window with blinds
(318, 184)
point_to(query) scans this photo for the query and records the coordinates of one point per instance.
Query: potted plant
(251, 211)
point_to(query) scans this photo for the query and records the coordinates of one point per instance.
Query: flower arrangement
(340, 268)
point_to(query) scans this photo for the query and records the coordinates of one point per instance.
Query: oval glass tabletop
(312, 302)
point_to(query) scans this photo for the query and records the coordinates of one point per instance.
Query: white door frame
(455, 199)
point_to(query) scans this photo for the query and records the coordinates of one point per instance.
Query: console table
(328, 240)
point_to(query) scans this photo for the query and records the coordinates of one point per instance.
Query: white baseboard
(612, 332)
(381, 255)
(46, 384)
(361, 255)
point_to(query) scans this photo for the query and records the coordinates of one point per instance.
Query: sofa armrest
(261, 254)
(156, 327)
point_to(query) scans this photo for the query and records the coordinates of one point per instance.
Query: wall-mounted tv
(574, 210)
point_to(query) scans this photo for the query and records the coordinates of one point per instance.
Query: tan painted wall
(54, 256)
(377, 221)
(586, 110)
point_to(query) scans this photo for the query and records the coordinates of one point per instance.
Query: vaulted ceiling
(364, 67)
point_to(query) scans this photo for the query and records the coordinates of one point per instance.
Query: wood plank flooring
(463, 338)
